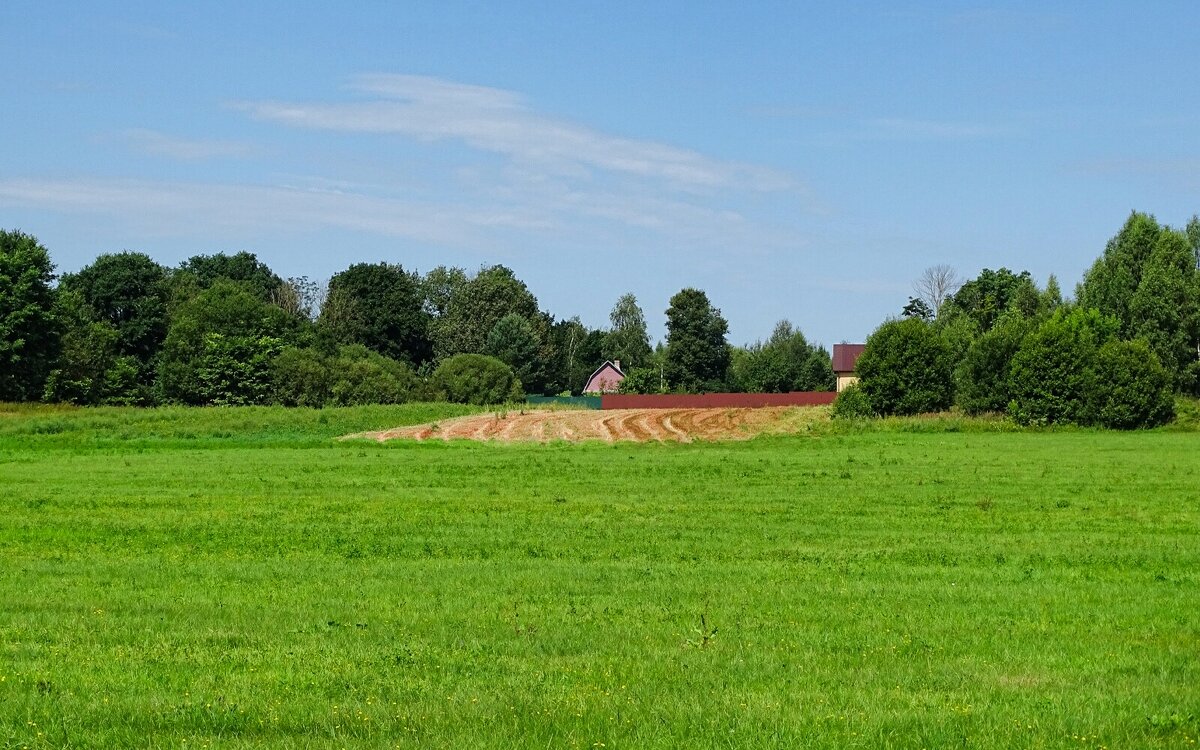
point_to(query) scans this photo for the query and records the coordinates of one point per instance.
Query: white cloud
(179, 208)
(159, 144)
(499, 121)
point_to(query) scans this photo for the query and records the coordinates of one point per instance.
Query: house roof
(845, 356)
(607, 363)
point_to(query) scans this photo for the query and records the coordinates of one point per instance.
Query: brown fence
(714, 400)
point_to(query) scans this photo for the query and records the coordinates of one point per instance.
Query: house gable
(606, 379)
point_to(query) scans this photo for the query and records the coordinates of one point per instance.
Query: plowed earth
(640, 425)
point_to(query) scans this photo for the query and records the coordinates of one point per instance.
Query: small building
(606, 379)
(845, 356)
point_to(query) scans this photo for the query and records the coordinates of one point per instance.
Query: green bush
(355, 376)
(364, 377)
(853, 403)
(1133, 389)
(982, 377)
(476, 379)
(1053, 374)
(906, 368)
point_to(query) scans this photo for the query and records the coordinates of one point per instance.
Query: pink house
(605, 379)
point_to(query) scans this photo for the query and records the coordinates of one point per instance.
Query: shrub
(906, 368)
(1053, 375)
(476, 379)
(302, 377)
(853, 403)
(982, 378)
(1133, 389)
(365, 377)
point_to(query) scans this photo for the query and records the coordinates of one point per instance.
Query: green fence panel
(581, 402)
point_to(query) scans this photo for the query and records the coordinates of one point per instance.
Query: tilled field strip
(639, 425)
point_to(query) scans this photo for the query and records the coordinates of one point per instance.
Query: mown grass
(237, 578)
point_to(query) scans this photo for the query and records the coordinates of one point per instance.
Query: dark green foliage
(627, 341)
(982, 377)
(88, 350)
(1133, 389)
(203, 271)
(513, 341)
(906, 368)
(853, 403)
(1148, 280)
(577, 351)
(476, 379)
(1053, 375)
(353, 376)
(474, 308)
(29, 334)
(986, 297)
(302, 376)
(917, 308)
(381, 306)
(129, 292)
(698, 355)
(365, 377)
(220, 346)
(785, 363)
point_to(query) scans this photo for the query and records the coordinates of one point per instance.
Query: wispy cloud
(903, 128)
(179, 208)
(501, 122)
(185, 149)
(480, 220)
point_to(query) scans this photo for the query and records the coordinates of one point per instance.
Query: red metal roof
(845, 355)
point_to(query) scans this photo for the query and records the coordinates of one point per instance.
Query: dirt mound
(641, 425)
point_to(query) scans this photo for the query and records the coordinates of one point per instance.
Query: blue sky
(793, 162)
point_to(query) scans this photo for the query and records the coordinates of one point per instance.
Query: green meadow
(208, 578)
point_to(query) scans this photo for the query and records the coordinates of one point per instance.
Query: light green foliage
(29, 335)
(698, 355)
(644, 380)
(476, 379)
(785, 363)
(627, 340)
(906, 368)
(853, 403)
(236, 578)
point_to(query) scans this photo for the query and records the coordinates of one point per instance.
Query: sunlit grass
(238, 578)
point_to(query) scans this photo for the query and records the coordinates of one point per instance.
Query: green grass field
(237, 578)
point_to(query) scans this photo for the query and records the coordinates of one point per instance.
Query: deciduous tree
(29, 336)
(698, 353)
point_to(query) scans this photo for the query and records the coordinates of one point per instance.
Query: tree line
(1115, 356)
(225, 329)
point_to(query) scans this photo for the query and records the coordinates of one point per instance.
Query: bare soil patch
(637, 425)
